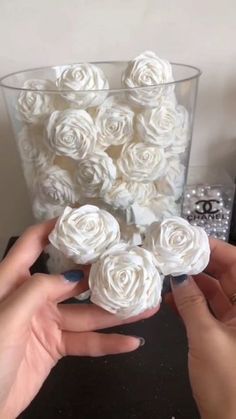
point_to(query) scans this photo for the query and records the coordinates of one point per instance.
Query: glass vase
(208, 200)
(122, 149)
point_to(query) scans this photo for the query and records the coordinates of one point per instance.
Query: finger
(223, 265)
(223, 256)
(15, 267)
(29, 246)
(39, 290)
(191, 305)
(97, 344)
(169, 299)
(91, 317)
(214, 294)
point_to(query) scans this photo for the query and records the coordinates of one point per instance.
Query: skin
(36, 331)
(210, 321)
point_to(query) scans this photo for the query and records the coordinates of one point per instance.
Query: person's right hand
(211, 332)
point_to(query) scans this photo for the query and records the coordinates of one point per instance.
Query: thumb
(191, 304)
(40, 289)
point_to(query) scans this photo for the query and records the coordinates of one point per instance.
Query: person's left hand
(36, 331)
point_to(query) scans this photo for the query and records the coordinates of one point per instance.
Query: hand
(36, 331)
(211, 332)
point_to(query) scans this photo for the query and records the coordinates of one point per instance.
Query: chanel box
(208, 200)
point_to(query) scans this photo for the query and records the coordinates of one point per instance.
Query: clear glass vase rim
(197, 74)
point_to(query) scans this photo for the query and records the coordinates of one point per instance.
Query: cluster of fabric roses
(119, 149)
(127, 280)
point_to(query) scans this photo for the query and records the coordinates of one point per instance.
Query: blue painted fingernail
(177, 280)
(73, 276)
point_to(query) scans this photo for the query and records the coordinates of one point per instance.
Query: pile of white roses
(127, 280)
(121, 150)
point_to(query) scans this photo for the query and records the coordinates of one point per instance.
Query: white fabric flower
(84, 233)
(156, 210)
(57, 262)
(130, 234)
(141, 162)
(159, 126)
(32, 150)
(179, 247)
(71, 133)
(45, 211)
(118, 196)
(35, 103)
(55, 186)
(164, 206)
(95, 175)
(114, 123)
(173, 182)
(140, 216)
(83, 296)
(182, 133)
(79, 80)
(146, 72)
(126, 281)
(142, 193)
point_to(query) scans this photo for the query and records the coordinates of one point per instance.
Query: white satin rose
(84, 233)
(32, 150)
(145, 72)
(182, 133)
(142, 193)
(141, 162)
(114, 123)
(173, 182)
(118, 196)
(71, 133)
(126, 281)
(179, 247)
(95, 175)
(156, 209)
(77, 82)
(57, 262)
(55, 186)
(45, 211)
(159, 126)
(35, 102)
(164, 206)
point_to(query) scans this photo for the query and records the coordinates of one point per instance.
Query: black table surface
(150, 383)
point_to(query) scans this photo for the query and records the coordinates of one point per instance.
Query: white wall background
(202, 33)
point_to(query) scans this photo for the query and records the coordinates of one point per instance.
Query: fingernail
(141, 340)
(179, 280)
(73, 276)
